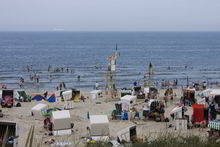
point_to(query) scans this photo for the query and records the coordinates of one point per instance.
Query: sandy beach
(145, 129)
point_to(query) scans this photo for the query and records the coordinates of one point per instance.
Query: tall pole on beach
(111, 72)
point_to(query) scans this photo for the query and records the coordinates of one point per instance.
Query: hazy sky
(110, 15)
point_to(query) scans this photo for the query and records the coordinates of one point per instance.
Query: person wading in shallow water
(96, 85)
(64, 85)
(146, 109)
(78, 77)
(150, 69)
(61, 86)
(37, 78)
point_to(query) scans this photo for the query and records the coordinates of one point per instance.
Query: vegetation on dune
(164, 140)
(169, 141)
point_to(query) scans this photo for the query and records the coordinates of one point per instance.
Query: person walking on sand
(82, 98)
(146, 109)
(166, 100)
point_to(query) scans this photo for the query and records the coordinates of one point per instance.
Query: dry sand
(22, 115)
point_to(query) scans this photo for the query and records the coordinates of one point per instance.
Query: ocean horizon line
(116, 31)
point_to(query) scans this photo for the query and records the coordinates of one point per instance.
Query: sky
(110, 15)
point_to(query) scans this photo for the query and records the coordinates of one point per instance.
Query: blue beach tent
(52, 99)
(38, 98)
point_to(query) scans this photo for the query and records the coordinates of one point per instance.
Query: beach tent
(52, 99)
(205, 93)
(99, 125)
(68, 99)
(201, 101)
(153, 104)
(189, 96)
(198, 112)
(151, 92)
(177, 112)
(21, 94)
(215, 92)
(125, 92)
(67, 95)
(127, 102)
(127, 134)
(38, 98)
(96, 94)
(48, 112)
(129, 99)
(137, 89)
(7, 98)
(76, 95)
(37, 110)
(71, 94)
(61, 122)
(146, 90)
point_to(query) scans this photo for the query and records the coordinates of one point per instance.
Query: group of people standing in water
(34, 77)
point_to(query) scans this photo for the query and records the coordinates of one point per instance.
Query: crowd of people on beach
(59, 69)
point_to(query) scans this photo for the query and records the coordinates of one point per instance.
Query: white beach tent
(146, 90)
(67, 95)
(129, 99)
(201, 101)
(61, 122)
(95, 94)
(16, 95)
(180, 123)
(127, 102)
(215, 92)
(127, 133)
(205, 93)
(37, 110)
(99, 125)
(177, 111)
(152, 101)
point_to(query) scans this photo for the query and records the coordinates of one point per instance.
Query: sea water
(174, 55)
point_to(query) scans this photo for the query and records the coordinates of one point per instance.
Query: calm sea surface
(173, 55)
